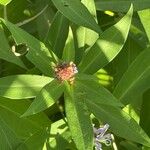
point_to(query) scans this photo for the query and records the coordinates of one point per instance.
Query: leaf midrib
(134, 82)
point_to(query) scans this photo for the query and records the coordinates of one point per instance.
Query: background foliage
(108, 40)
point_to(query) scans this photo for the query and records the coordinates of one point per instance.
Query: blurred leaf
(135, 80)
(84, 36)
(38, 54)
(144, 16)
(121, 5)
(69, 49)
(77, 13)
(57, 34)
(22, 86)
(107, 46)
(129, 146)
(120, 122)
(46, 98)
(78, 119)
(5, 2)
(5, 51)
(93, 91)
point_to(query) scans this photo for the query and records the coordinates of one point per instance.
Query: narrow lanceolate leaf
(69, 49)
(76, 12)
(8, 138)
(57, 34)
(121, 5)
(107, 46)
(46, 98)
(85, 37)
(38, 54)
(5, 2)
(144, 17)
(92, 90)
(136, 79)
(5, 51)
(22, 86)
(78, 119)
(120, 122)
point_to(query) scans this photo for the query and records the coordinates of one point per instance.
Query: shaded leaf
(144, 116)
(91, 89)
(19, 128)
(120, 122)
(135, 80)
(8, 139)
(77, 13)
(57, 34)
(121, 5)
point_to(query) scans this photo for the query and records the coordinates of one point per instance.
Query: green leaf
(107, 46)
(69, 49)
(5, 2)
(78, 119)
(120, 122)
(144, 17)
(75, 11)
(135, 80)
(5, 51)
(124, 59)
(59, 132)
(46, 98)
(121, 5)
(46, 138)
(91, 89)
(16, 128)
(36, 141)
(57, 34)
(144, 116)
(22, 86)
(38, 54)
(8, 139)
(84, 36)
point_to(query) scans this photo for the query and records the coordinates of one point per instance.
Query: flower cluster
(66, 71)
(101, 137)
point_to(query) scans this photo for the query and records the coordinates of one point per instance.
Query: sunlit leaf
(5, 2)
(46, 98)
(38, 54)
(6, 52)
(78, 119)
(22, 86)
(107, 46)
